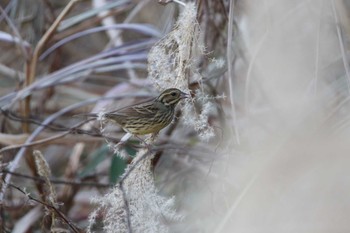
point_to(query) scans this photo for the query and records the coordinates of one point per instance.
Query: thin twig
(25, 47)
(165, 2)
(317, 54)
(42, 141)
(11, 73)
(58, 212)
(230, 69)
(342, 46)
(59, 181)
(234, 206)
(49, 33)
(126, 204)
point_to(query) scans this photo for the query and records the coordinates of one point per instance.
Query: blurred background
(279, 160)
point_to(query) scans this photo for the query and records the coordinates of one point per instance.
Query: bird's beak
(184, 95)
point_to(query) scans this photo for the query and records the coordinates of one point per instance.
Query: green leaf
(117, 168)
(97, 157)
(130, 150)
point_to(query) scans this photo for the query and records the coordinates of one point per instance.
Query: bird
(147, 117)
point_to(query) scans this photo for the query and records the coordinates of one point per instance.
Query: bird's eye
(173, 94)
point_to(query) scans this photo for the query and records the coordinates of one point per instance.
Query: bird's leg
(154, 136)
(151, 139)
(144, 142)
(148, 142)
(123, 140)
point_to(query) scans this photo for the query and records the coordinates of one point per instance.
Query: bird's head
(171, 96)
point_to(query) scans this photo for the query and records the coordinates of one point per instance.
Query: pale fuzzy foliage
(291, 171)
(173, 56)
(199, 121)
(149, 212)
(216, 63)
(44, 172)
(173, 59)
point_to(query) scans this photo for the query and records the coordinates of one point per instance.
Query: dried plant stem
(30, 72)
(61, 182)
(23, 45)
(164, 2)
(68, 192)
(31, 64)
(45, 38)
(30, 139)
(35, 143)
(230, 67)
(41, 141)
(70, 139)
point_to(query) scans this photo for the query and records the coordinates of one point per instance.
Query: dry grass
(270, 79)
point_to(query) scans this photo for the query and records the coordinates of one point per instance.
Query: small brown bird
(147, 117)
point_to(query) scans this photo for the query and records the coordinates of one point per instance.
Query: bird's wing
(146, 109)
(128, 109)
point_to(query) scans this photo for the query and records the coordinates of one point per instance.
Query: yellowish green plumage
(148, 117)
